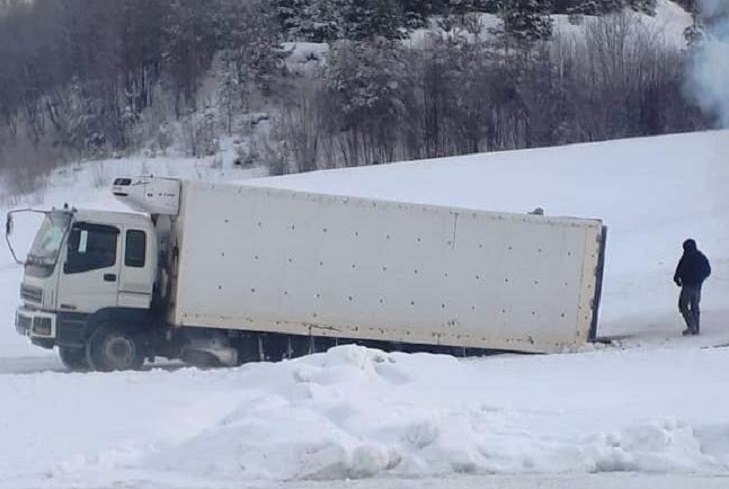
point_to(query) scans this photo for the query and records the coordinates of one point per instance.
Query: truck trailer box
(274, 260)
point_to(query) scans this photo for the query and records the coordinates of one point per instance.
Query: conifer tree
(526, 20)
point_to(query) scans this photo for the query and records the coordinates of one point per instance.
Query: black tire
(112, 348)
(73, 359)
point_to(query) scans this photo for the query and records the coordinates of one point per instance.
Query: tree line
(84, 78)
(378, 101)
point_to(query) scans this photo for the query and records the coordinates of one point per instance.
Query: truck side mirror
(8, 231)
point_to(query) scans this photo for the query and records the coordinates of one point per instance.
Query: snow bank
(359, 413)
(305, 52)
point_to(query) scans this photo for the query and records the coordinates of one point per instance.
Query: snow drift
(358, 413)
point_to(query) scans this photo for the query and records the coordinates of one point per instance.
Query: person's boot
(697, 320)
(689, 319)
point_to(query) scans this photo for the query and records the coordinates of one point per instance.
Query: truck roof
(536, 215)
(111, 216)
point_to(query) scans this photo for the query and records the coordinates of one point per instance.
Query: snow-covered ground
(356, 413)
(652, 406)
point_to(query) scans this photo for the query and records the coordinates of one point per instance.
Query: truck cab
(87, 269)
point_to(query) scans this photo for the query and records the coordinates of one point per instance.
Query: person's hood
(689, 246)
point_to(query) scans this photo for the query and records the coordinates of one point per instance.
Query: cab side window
(135, 249)
(91, 247)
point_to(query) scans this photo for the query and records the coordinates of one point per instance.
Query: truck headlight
(30, 293)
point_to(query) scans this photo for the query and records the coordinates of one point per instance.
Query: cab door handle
(109, 277)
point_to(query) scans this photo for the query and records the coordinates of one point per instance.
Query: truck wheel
(112, 348)
(73, 359)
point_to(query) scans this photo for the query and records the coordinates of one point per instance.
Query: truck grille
(31, 294)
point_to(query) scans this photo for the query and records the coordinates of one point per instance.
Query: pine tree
(694, 34)
(368, 83)
(647, 7)
(291, 15)
(586, 7)
(525, 20)
(322, 21)
(366, 19)
(188, 45)
(251, 42)
(604, 7)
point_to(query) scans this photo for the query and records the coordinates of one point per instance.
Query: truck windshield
(48, 240)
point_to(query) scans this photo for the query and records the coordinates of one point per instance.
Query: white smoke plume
(710, 73)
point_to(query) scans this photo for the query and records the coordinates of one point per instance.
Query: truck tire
(111, 347)
(73, 359)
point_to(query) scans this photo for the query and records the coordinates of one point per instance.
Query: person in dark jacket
(693, 268)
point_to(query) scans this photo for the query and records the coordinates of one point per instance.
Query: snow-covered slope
(357, 413)
(652, 193)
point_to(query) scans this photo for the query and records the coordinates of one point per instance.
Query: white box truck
(226, 273)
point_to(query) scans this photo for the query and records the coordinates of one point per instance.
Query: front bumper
(35, 324)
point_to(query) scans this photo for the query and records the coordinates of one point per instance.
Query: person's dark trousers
(688, 304)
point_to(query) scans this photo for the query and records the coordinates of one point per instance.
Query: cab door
(138, 269)
(89, 280)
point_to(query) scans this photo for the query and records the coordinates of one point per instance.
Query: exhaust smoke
(709, 77)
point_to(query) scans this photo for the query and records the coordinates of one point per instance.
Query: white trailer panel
(264, 259)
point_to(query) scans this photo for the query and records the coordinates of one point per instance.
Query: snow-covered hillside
(652, 194)
(654, 403)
